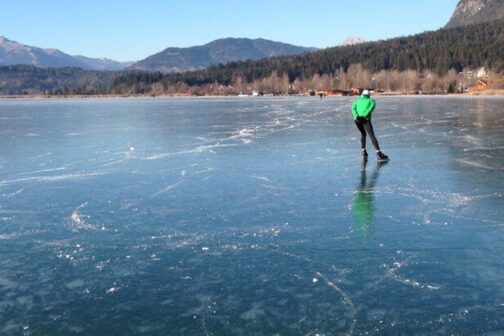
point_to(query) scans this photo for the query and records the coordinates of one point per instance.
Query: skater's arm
(354, 110)
(369, 109)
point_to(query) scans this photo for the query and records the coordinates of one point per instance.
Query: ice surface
(250, 216)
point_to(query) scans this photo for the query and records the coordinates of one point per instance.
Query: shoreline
(487, 93)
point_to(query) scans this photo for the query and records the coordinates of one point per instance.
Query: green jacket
(363, 107)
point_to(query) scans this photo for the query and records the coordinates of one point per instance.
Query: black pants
(364, 127)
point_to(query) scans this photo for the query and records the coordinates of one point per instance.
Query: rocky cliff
(470, 12)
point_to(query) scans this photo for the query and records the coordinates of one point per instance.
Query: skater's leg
(362, 131)
(369, 129)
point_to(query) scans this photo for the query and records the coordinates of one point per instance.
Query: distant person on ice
(362, 109)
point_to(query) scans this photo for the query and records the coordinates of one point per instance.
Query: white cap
(365, 92)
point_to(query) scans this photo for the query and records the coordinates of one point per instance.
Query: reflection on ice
(362, 206)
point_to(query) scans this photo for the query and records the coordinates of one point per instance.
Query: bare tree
(450, 81)
(343, 80)
(360, 77)
(496, 81)
(157, 88)
(382, 80)
(326, 82)
(409, 81)
(285, 84)
(298, 86)
(237, 83)
(395, 81)
(316, 82)
(431, 82)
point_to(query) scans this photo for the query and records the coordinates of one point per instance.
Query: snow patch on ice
(262, 178)
(168, 188)
(79, 221)
(53, 178)
(479, 165)
(391, 273)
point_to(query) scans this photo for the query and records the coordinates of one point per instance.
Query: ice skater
(362, 109)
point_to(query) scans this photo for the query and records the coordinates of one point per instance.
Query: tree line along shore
(341, 83)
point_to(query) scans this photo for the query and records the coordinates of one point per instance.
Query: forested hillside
(28, 79)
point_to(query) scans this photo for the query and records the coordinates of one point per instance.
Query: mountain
(102, 63)
(12, 52)
(470, 12)
(216, 52)
(352, 40)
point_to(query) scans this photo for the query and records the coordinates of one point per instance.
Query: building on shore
(481, 85)
(332, 92)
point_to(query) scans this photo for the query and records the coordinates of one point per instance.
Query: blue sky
(128, 30)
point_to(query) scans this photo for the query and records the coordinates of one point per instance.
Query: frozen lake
(250, 217)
